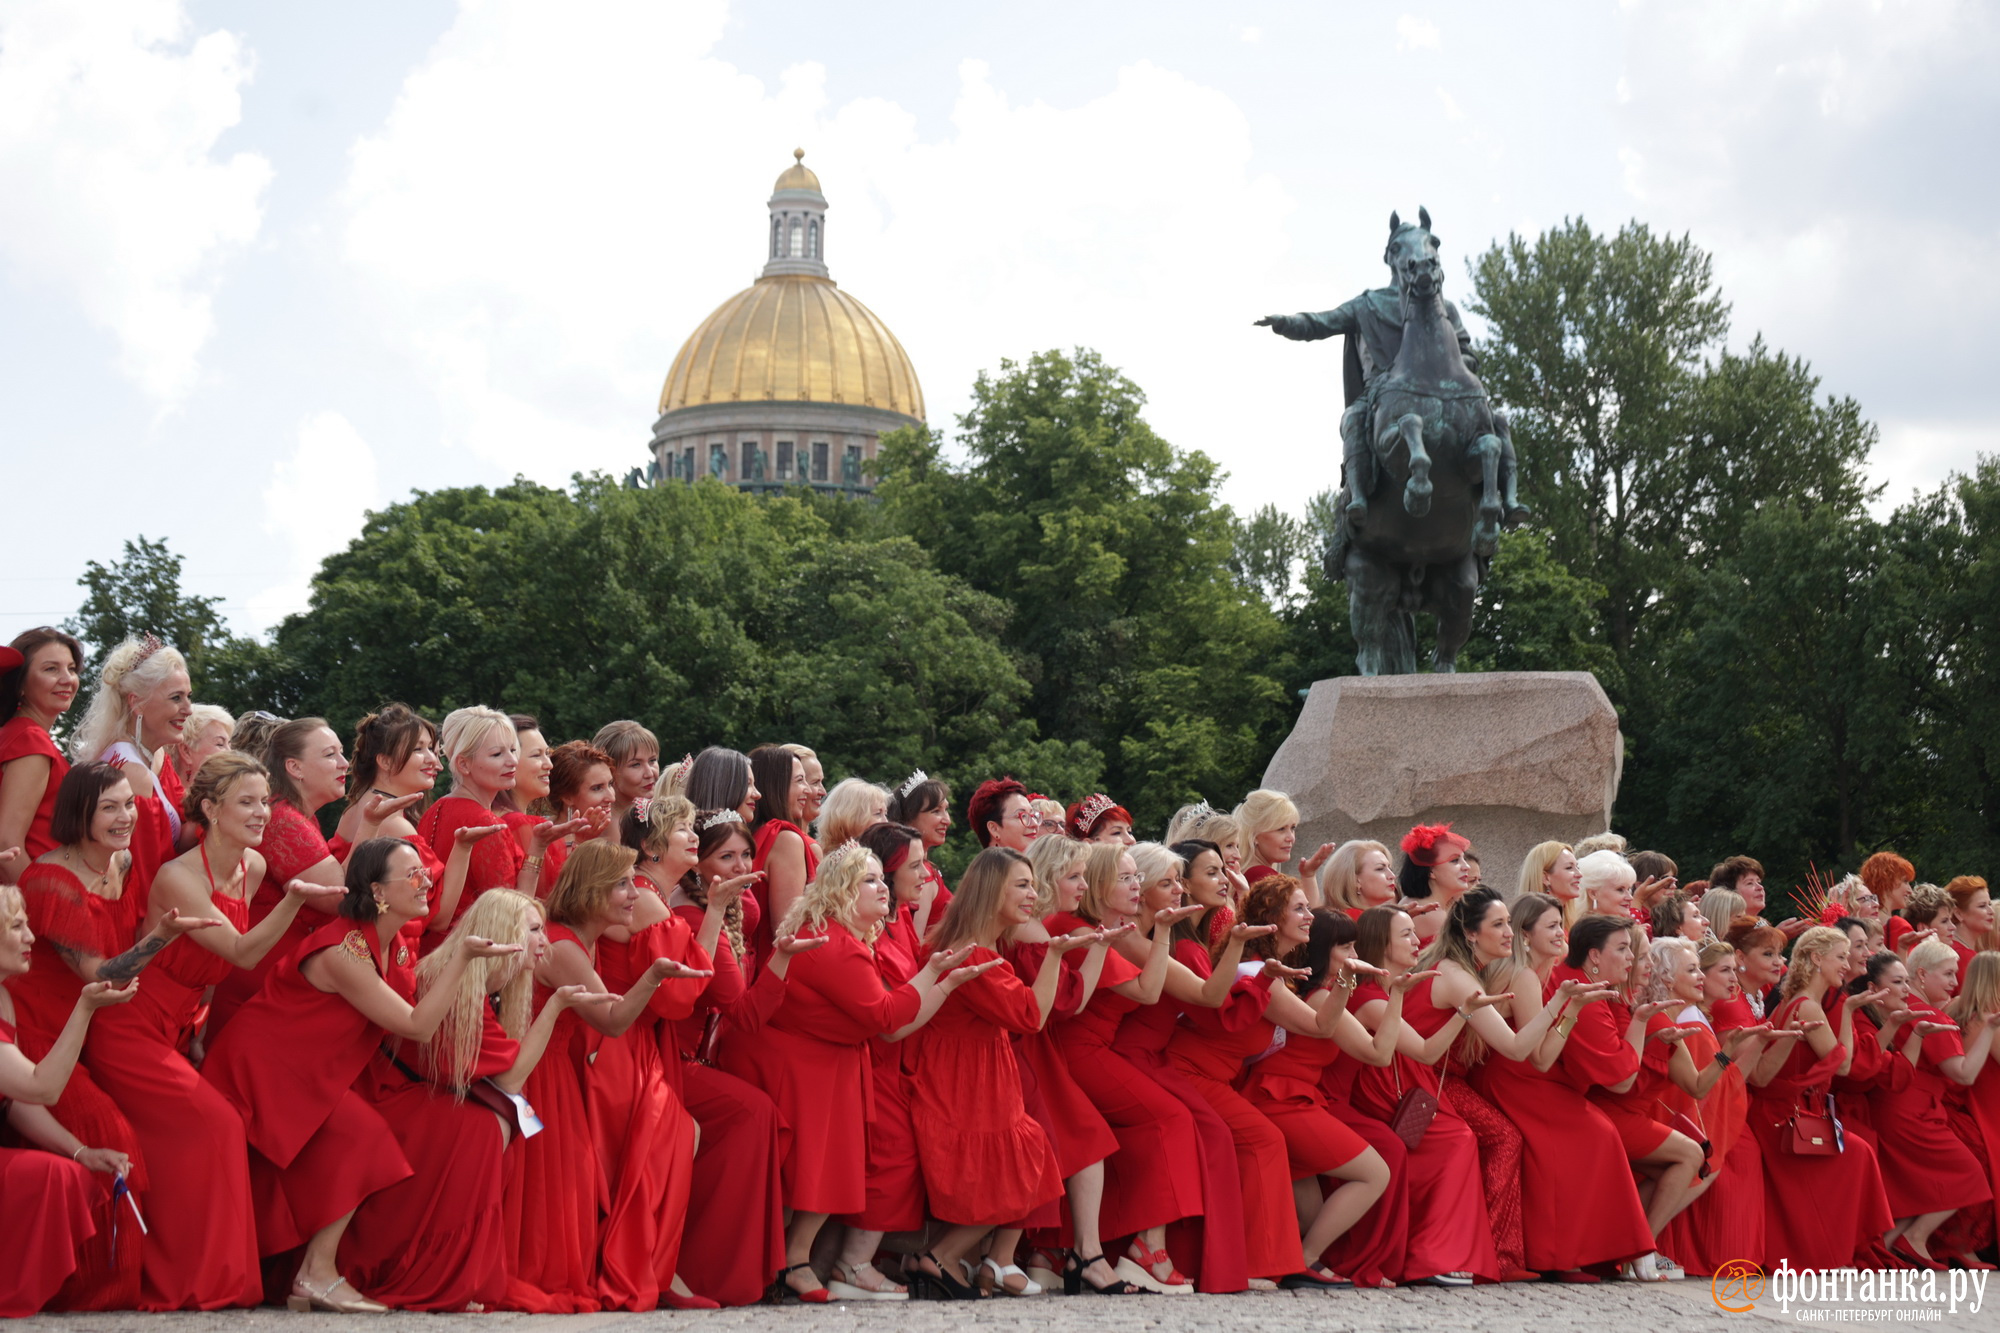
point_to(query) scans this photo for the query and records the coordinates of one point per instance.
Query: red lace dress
(61, 911)
(21, 737)
(495, 862)
(201, 1252)
(292, 845)
(46, 1225)
(985, 1160)
(289, 1062)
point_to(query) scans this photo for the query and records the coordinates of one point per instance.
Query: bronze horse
(1438, 441)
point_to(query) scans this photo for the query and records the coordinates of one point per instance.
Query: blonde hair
(1978, 989)
(201, 718)
(500, 915)
(212, 781)
(1806, 954)
(849, 811)
(833, 892)
(1224, 830)
(1262, 810)
(1052, 857)
(1666, 952)
(1154, 861)
(1603, 870)
(135, 667)
(624, 739)
(1722, 907)
(589, 874)
(1540, 860)
(1341, 878)
(663, 816)
(465, 729)
(1602, 842)
(796, 751)
(1100, 876)
(1051, 811)
(12, 905)
(1932, 955)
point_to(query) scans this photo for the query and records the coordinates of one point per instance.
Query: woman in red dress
(290, 1058)
(811, 1055)
(582, 794)
(85, 911)
(735, 1234)
(787, 858)
(1927, 1170)
(142, 700)
(986, 1162)
(635, 765)
(437, 1239)
(526, 803)
(39, 676)
(1359, 875)
(643, 1136)
(1550, 869)
(1097, 818)
(1821, 1209)
(482, 752)
(201, 1250)
(1270, 831)
(47, 1224)
(1435, 873)
(395, 757)
(923, 803)
(1975, 1112)
(1972, 917)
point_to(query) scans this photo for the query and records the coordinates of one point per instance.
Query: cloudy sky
(263, 267)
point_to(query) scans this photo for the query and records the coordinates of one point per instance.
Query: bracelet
(1564, 1028)
(1722, 1060)
(534, 861)
(81, 1149)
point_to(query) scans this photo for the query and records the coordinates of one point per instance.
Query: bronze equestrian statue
(1428, 474)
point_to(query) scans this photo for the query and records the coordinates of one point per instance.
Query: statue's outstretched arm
(1308, 326)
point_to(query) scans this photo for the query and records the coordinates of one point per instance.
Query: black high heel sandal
(1074, 1283)
(938, 1286)
(781, 1292)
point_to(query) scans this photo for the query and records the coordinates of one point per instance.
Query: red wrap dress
(46, 1224)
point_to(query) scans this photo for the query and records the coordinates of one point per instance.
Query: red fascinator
(1433, 844)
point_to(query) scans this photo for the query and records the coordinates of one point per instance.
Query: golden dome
(794, 338)
(798, 176)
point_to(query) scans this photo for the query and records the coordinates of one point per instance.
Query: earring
(381, 905)
(1592, 969)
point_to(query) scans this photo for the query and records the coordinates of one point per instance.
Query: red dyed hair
(1087, 815)
(1432, 844)
(984, 807)
(1883, 871)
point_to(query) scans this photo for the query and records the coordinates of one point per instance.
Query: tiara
(716, 817)
(1093, 810)
(678, 778)
(912, 782)
(1200, 810)
(147, 647)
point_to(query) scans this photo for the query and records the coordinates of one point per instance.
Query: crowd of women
(586, 1033)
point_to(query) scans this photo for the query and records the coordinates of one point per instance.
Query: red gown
(812, 1059)
(46, 1225)
(735, 1234)
(896, 1197)
(1975, 1115)
(1376, 1248)
(1799, 1226)
(495, 862)
(292, 845)
(1208, 1248)
(1500, 1146)
(1597, 1056)
(1150, 1125)
(61, 911)
(985, 1160)
(1449, 1230)
(643, 1133)
(759, 939)
(1926, 1167)
(1209, 1052)
(201, 1251)
(1727, 1221)
(436, 1241)
(21, 737)
(289, 1062)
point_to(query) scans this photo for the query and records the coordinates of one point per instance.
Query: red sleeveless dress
(21, 737)
(201, 1252)
(289, 1062)
(759, 940)
(62, 911)
(46, 1224)
(292, 845)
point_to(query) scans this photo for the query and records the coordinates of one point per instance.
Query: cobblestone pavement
(1679, 1307)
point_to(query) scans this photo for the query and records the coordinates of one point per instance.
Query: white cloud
(548, 314)
(1416, 34)
(1253, 35)
(313, 507)
(110, 189)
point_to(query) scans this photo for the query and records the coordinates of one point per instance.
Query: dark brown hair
(285, 741)
(27, 644)
(1725, 875)
(771, 769)
(77, 798)
(385, 740)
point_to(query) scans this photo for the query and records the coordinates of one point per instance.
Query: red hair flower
(1433, 844)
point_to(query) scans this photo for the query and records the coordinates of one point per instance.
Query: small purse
(1414, 1111)
(1813, 1135)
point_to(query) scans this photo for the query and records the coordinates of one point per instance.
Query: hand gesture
(1082, 939)
(785, 946)
(1588, 992)
(107, 1160)
(1803, 1028)
(1735, 1039)
(1358, 967)
(1644, 1012)
(1656, 884)
(1482, 1000)
(595, 820)
(1793, 927)
(173, 925)
(308, 894)
(958, 976)
(663, 968)
(1166, 918)
(1925, 1027)
(377, 808)
(12, 862)
(1243, 931)
(468, 834)
(1423, 909)
(1912, 939)
(1867, 998)
(1277, 971)
(1671, 1036)
(568, 997)
(723, 893)
(474, 946)
(1310, 866)
(1120, 931)
(1398, 985)
(103, 994)
(941, 963)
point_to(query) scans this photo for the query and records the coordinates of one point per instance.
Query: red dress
(61, 911)
(21, 737)
(1726, 1222)
(1150, 1125)
(1209, 1052)
(201, 1251)
(1500, 1145)
(1975, 1115)
(158, 826)
(495, 862)
(292, 845)
(289, 1062)
(985, 1160)
(1208, 1248)
(735, 1234)
(896, 1198)
(436, 1241)
(1926, 1167)
(1080, 1136)
(1871, 1070)
(812, 1059)
(46, 1225)
(759, 939)
(1597, 1056)
(1449, 1230)
(1285, 1086)
(1376, 1248)
(1798, 1223)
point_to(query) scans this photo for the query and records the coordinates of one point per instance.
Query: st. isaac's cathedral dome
(791, 381)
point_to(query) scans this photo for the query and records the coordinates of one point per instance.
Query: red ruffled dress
(1727, 1221)
(985, 1160)
(62, 911)
(812, 1059)
(760, 938)
(1208, 1248)
(20, 738)
(1926, 1167)
(1150, 1125)
(1449, 1230)
(289, 1062)
(1799, 1223)
(1285, 1086)
(201, 1252)
(46, 1226)
(292, 845)
(896, 1197)
(735, 1234)
(495, 861)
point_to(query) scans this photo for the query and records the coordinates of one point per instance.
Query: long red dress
(985, 1160)
(760, 938)
(735, 1234)
(1926, 1167)
(1151, 1126)
(289, 1061)
(21, 737)
(896, 1197)
(643, 1133)
(292, 845)
(1080, 1136)
(1975, 1116)
(812, 1059)
(435, 1241)
(61, 911)
(1209, 1051)
(1798, 1223)
(1597, 1056)
(1376, 1248)
(1449, 1230)
(1500, 1144)
(46, 1224)
(1208, 1248)
(1871, 1070)
(495, 862)
(201, 1250)
(1727, 1221)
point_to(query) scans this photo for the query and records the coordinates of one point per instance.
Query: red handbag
(1810, 1134)
(1414, 1111)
